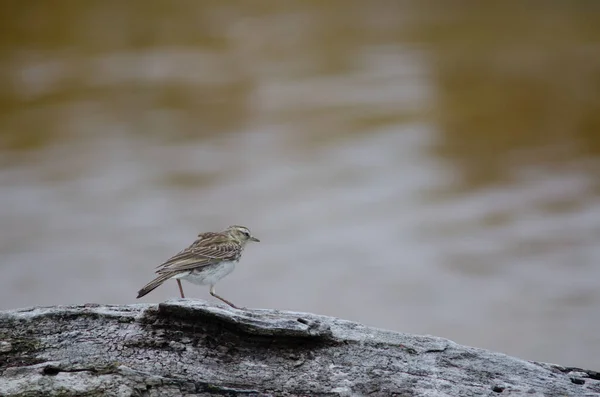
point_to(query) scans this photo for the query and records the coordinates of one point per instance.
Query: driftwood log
(192, 348)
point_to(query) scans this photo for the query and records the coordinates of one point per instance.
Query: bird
(208, 259)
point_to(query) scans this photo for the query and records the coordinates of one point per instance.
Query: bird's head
(241, 234)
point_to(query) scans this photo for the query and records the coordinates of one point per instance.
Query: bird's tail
(154, 284)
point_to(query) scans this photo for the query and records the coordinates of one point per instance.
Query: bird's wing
(208, 249)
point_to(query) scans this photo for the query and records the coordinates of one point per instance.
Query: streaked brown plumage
(211, 257)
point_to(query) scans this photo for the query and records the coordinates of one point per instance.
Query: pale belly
(208, 275)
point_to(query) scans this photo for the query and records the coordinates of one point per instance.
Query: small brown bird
(210, 258)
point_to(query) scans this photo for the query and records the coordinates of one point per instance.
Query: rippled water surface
(418, 168)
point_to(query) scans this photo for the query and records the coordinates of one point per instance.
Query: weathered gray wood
(190, 348)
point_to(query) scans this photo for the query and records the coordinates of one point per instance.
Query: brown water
(413, 166)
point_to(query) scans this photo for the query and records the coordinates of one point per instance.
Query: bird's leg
(213, 293)
(180, 288)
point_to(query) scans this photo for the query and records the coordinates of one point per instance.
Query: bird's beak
(252, 238)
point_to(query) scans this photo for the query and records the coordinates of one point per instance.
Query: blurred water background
(427, 167)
